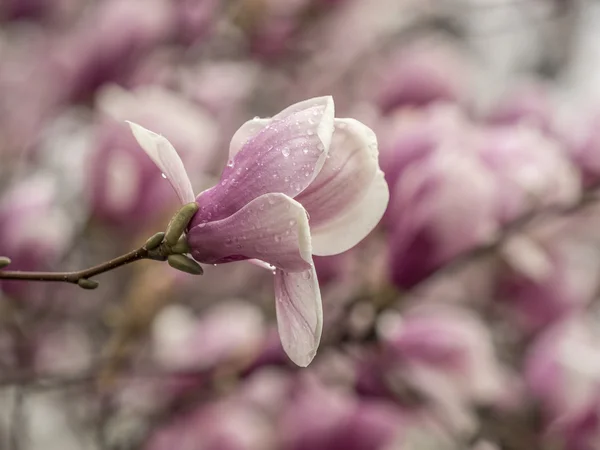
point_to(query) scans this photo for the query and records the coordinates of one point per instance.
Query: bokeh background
(467, 320)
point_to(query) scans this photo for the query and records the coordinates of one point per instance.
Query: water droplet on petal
(228, 241)
(320, 146)
(274, 272)
(306, 275)
(239, 246)
(292, 223)
(230, 163)
(306, 174)
(286, 179)
(256, 117)
(305, 150)
(277, 238)
(202, 224)
(271, 201)
(311, 120)
(285, 151)
(214, 265)
(310, 132)
(163, 175)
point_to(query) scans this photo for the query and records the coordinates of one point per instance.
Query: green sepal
(185, 264)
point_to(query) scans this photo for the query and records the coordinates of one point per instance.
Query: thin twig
(74, 277)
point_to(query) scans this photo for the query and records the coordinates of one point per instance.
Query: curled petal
(285, 156)
(345, 182)
(164, 155)
(349, 228)
(273, 228)
(299, 314)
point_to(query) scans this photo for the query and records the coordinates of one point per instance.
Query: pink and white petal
(285, 156)
(355, 223)
(164, 155)
(349, 170)
(244, 133)
(251, 128)
(273, 228)
(299, 314)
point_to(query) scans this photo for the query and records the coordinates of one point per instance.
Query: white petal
(349, 170)
(346, 230)
(160, 150)
(299, 314)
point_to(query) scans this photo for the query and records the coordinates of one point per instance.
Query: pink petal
(160, 150)
(299, 314)
(273, 228)
(285, 157)
(252, 127)
(246, 132)
(349, 196)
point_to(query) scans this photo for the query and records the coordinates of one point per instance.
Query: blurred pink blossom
(227, 332)
(563, 374)
(29, 245)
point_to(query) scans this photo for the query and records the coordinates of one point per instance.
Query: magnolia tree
(424, 275)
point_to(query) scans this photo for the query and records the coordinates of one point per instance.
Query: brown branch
(75, 276)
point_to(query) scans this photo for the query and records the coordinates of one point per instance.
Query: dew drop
(305, 150)
(202, 224)
(311, 120)
(292, 223)
(256, 117)
(310, 132)
(285, 151)
(214, 265)
(315, 113)
(163, 175)
(320, 146)
(306, 174)
(277, 238)
(275, 176)
(239, 246)
(274, 272)
(230, 163)
(286, 179)
(271, 201)
(306, 275)
(228, 241)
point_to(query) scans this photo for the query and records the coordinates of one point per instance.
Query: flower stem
(76, 276)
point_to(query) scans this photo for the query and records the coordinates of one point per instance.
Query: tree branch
(76, 276)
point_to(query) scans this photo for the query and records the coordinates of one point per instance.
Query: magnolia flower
(297, 184)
